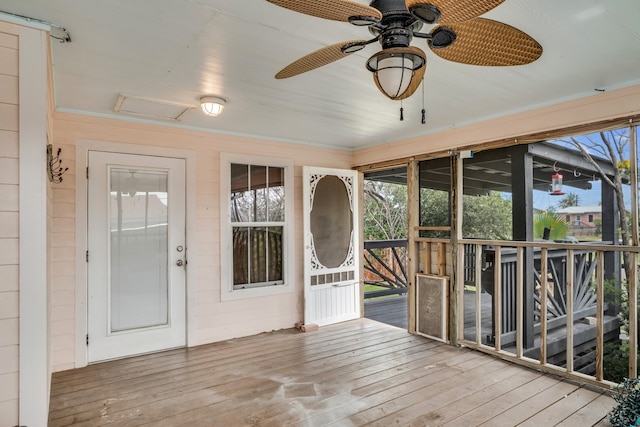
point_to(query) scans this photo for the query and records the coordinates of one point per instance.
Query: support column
(34, 304)
(457, 283)
(610, 224)
(413, 220)
(522, 217)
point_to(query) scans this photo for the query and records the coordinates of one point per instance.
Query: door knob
(179, 263)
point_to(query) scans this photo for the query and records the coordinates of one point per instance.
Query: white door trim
(82, 149)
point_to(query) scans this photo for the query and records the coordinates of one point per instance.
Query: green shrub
(627, 413)
(551, 220)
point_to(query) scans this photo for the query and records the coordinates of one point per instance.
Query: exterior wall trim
(34, 348)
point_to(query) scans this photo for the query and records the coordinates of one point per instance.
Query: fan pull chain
(424, 113)
(401, 112)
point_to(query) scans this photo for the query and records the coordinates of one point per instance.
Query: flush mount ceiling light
(212, 106)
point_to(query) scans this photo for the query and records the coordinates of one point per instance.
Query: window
(256, 207)
(578, 219)
(567, 218)
(590, 218)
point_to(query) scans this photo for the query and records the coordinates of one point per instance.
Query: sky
(544, 200)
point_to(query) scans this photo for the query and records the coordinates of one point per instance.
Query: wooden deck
(355, 373)
(390, 310)
(393, 311)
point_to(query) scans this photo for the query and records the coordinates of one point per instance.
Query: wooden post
(361, 239)
(610, 221)
(413, 221)
(633, 177)
(569, 303)
(544, 285)
(632, 286)
(522, 215)
(456, 324)
(600, 316)
(425, 251)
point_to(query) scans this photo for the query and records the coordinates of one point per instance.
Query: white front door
(136, 254)
(332, 256)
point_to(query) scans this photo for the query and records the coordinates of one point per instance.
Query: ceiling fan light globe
(394, 75)
(393, 69)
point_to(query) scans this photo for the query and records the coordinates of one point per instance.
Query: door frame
(357, 238)
(82, 151)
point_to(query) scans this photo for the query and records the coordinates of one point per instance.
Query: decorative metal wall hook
(555, 169)
(54, 165)
(576, 173)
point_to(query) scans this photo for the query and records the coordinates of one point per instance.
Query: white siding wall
(9, 294)
(209, 318)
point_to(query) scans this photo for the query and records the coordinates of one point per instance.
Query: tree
(487, 217)
(612, 145)
(569, 200)
(483, 217)
(385, 211)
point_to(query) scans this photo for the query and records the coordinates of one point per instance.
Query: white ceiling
(179, 50)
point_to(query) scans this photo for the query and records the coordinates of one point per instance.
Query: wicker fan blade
(485, 42)
(454, 11)
(336, 10)
(316, 59)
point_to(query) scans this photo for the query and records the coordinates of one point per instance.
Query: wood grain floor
(351, 374)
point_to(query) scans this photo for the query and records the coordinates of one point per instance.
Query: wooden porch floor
(355, 373)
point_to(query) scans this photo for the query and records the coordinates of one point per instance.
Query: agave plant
(555, 223)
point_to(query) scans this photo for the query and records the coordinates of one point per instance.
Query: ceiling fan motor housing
(397, 25)
(387, 7)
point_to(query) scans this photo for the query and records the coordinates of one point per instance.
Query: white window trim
(227, 293)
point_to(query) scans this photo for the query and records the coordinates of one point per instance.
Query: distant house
(582, 219)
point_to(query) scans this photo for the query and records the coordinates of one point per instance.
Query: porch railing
(565, 308)
(385, 266)
(570, 309)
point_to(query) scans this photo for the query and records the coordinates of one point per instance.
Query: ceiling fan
(460, 36)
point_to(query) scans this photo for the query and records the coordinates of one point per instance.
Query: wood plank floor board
(380, 398)
(563, 408)
(105, 386)
(590, 414)
(278, 340)
(468, 403)
(332, 372)
(349, 374)
(328, 371)
(281, 413)
(335, 392)
(511, 398)
(208, 353)
(521, 412)
(403, 409)
(156, 391)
